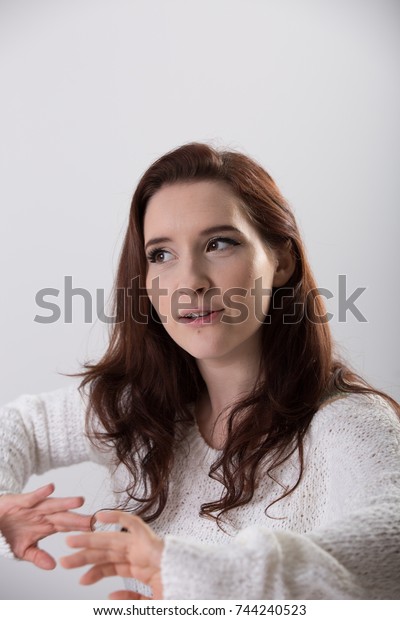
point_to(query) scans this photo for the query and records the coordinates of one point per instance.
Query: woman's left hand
(135, 552)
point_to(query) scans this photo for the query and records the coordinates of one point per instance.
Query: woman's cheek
(156, 290)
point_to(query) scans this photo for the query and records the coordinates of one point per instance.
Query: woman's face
(209, 274)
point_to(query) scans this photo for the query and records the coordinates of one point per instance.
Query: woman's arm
(357, 560)
(354, 558)
(38, 433)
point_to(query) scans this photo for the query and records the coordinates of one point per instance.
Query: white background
(94, 91)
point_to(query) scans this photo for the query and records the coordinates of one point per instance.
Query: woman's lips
(208, 319)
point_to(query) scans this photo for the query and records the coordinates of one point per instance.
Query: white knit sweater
(337, 536)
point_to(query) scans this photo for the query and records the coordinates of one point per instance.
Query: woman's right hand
(27, 518)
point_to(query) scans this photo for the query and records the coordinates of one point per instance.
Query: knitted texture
(337, 536)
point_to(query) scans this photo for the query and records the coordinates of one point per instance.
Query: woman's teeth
(192, 315)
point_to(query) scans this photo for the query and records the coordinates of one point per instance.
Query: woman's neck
(226, 383)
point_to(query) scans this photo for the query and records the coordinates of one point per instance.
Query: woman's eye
(159, 256)
(221, 243)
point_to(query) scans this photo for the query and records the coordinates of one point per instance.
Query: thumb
(39, 558)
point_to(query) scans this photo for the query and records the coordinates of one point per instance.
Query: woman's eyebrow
(206, 231)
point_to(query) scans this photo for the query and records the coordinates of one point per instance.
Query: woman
(255, 463)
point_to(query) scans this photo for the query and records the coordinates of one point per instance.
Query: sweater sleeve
(352, 555)
(39, 433)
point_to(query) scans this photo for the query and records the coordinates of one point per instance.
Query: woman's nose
(194, 277)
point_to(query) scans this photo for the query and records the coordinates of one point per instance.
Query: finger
(29, 500)
(100, 571)
(70, 521)
(93, 556)
(118, 541)
(60, 504)
(39, 558)
(113, 569)
(125, 595)
(131, 522)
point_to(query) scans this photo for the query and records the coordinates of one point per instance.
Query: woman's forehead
(200, 204)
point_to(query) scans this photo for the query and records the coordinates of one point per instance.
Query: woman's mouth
(195, 318)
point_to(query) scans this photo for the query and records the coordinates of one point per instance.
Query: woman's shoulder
(59, 413)
(356, 439)
(358, 415)
(68, 401)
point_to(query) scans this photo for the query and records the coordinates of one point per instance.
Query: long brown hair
(142, 388)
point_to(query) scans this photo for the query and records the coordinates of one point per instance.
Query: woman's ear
(285, 265)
